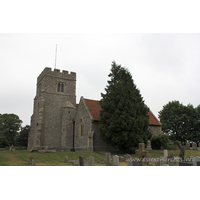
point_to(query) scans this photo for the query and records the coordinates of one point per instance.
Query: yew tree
(124, 119)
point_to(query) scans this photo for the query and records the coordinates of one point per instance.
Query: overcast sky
(165, 67)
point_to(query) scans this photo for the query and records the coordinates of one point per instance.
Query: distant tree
(22, 138)
(10, 124)
(123, 119)
(180, 122)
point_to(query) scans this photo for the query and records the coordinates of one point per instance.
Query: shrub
(160, 140)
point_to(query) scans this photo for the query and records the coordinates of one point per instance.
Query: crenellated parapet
(56, 74)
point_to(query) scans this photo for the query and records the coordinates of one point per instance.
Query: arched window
(60, 87)
(81, 127)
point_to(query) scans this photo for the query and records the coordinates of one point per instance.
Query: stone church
(59, 123)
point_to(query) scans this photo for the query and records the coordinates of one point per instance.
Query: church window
(81, 127)
(60, 87)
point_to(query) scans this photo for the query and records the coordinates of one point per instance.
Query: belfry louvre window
(60, 87)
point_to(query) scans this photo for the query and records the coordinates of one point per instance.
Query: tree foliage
(181, 122)
(123, 119)
(10, 124)
(160, 140)
(22, 138)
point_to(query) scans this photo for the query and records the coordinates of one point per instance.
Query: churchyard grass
(21, 157)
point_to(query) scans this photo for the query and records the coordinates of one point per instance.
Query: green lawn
(21, 157)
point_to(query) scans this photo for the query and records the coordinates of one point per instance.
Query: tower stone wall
(54, 108)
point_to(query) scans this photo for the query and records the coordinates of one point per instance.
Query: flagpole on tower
(55, 56)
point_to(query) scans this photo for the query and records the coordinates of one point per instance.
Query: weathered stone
(195, 159)
(194, 146)
(2, 149)
(108, 159)
(81, 161)
(149, 145)
(165, 154)
(170, 160)
(115, 160)
(91, 161)
(66, 159)
(121, 158)
(188, 146)
(127, 157)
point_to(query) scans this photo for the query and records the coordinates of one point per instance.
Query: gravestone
(2, 149)
(66, 159)
(74, 162)
(31, 160)
(185, 164)
(142, 153)
(188, 146)
(127, 157)
(12, 148)
(81, 161)
(194, 146)
(115, 160)
(121, 158)
(91, 161)
(147, 159)
(170, 160)
(159, 162)
(108, 159)
(165, 154)
(135, 163)
(195, 159)
(149, 145)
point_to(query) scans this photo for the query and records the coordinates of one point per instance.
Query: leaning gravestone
(81, 161)
(115, 160)
(185, 164)
(12, 148)
(91, 161)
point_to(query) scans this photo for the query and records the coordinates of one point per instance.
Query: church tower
(54, 110)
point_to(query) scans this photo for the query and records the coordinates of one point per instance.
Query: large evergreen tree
(123, 119)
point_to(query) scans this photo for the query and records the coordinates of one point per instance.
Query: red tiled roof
(94, 108)
(153, 120)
